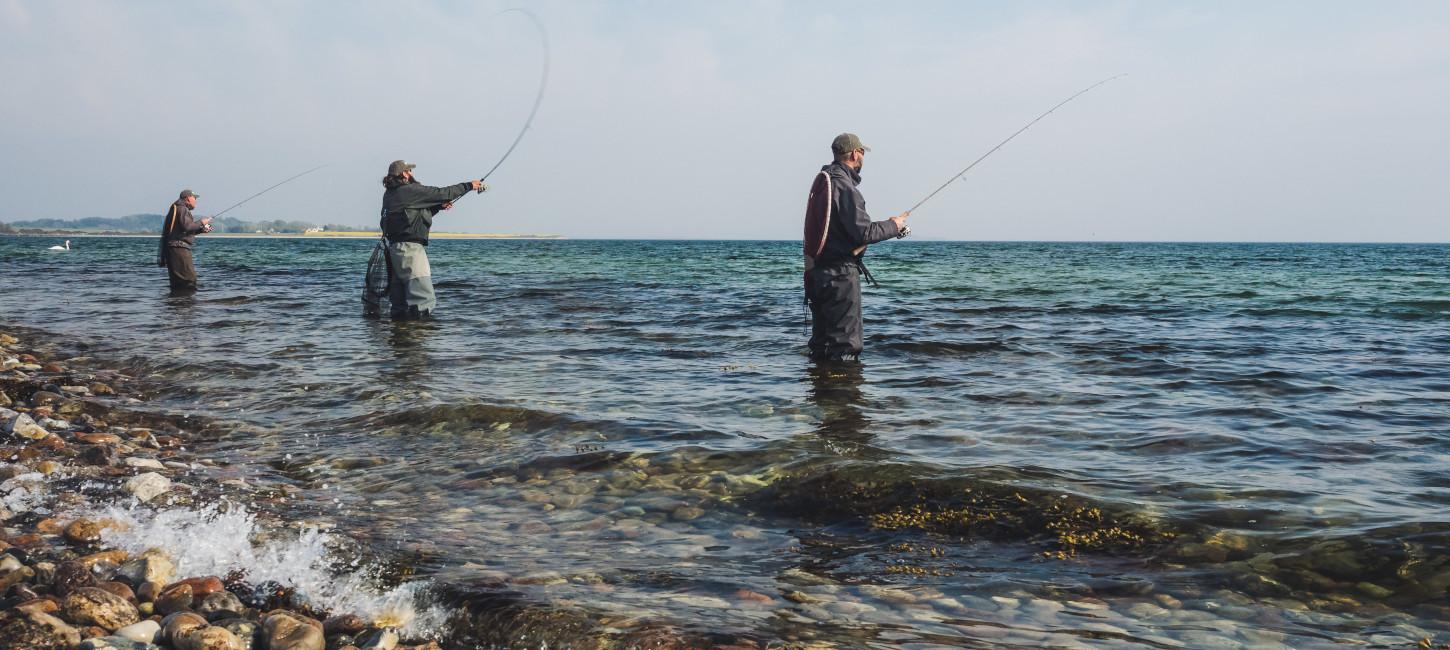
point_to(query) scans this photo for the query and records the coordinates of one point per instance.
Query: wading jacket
(851, 227)
(179, 229)
(408, 209)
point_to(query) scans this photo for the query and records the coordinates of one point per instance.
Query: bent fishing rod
(289, 180)
(538, 97)
(1009, 139)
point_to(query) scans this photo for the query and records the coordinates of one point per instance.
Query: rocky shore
(68, 445)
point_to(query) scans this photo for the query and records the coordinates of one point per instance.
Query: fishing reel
(905, 230)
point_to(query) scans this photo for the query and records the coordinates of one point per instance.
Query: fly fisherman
(408, 209)
(178, 234)
(834, 248)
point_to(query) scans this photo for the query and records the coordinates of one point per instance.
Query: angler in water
(178, 234)
(837, 231)
(408, 209)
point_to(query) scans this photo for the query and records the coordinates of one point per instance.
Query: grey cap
(847, 142)
(398, 167)
(189, 193)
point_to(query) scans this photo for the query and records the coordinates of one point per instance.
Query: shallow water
(1115, 445)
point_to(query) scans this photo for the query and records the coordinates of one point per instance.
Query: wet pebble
(384, 639)
(151, 566)
(34, 630)
(114, 643)
(245, 631)
(147, 486)
(219, 605)
(144, 631)
(95, 606)
(287, 631)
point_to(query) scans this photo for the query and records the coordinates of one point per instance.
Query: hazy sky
(1238, 121)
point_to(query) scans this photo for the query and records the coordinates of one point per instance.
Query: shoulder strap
(170, 222)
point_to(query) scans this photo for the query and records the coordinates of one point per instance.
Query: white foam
(24, 493)
(222, 538)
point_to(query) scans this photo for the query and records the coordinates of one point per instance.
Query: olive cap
(847, 142)
(189, 193)
(398, 167)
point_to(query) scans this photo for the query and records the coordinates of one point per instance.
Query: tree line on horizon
(151, 224)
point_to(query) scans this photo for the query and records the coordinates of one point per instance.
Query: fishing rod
(1009, 139)
(538, 97)
(289, 180)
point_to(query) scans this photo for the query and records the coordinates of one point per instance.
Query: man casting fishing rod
(836, 235)
(408, 210)
(178, 234)
(838, 229)
(179, 231)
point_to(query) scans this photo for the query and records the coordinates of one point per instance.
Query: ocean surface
(1046, 445)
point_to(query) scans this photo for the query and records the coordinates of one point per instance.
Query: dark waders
(179, 269)
(834, 291)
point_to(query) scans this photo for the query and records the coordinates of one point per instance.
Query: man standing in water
(837, 234)
(408, 209)
(178, 234)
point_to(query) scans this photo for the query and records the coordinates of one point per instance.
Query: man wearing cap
(833, 281)
(408, 209)
(178, 234)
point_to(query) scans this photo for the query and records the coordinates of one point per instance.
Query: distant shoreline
(315, 235)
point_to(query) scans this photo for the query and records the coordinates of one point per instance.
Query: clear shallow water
(1047, 443)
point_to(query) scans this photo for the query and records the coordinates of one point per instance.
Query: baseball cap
(398, 167)
(847, 142)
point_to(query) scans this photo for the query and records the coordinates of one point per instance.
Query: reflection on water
(1123, 445)
(835, 389)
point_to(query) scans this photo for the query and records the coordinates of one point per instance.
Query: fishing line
(289, 180)
(538, 97)
(1009, 139)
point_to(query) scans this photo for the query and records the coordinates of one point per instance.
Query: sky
(1236, 120)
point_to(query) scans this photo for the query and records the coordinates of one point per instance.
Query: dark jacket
(408, 209)
(851, 227)
(183, 228)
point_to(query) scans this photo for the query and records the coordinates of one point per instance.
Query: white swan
(66, 247)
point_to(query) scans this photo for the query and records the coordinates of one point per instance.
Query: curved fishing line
(289, 180)
(538, 98)
(1009, 139)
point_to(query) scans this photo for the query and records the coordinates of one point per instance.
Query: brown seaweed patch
(1071, 528)
(971, 508)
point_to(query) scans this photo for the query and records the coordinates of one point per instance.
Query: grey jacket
(851, 227)
(408, 209)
